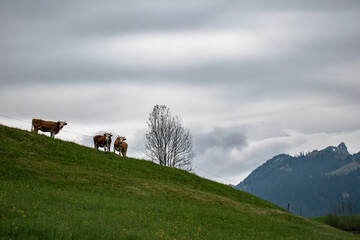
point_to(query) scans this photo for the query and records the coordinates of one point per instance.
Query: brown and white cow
(47, 126)
(103, 141)
(120, 145)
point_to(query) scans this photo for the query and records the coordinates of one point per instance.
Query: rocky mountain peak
(342, 149)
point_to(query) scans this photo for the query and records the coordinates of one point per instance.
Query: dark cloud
(221, 139)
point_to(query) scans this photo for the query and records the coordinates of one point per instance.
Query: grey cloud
(62, 101)
(219, 138)
(99, 19)
(213, 150)
(41, 50)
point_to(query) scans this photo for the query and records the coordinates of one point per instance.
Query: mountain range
(310, 185)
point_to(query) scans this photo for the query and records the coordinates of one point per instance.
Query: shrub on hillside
(332, 220)
(347, 223)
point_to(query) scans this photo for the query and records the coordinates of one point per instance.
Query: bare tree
(167, 141)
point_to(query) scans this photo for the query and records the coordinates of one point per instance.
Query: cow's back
(45, 126)
(124, 146)
(99, 139)
(37, 122)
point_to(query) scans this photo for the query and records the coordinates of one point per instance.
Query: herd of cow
(99, 140)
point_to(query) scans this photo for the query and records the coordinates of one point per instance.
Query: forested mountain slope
(314, 184)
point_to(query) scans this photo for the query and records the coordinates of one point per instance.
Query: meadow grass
(343, 222)
(51, 189)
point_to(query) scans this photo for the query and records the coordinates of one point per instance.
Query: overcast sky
(250, 79)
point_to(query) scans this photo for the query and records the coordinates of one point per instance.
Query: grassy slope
(344, 222)
(50, 189)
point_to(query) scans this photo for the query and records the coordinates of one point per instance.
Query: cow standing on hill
(103, 141)
(47, 126)
(120, 145)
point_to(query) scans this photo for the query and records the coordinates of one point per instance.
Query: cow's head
(62, 124)
(121, 139)
(107, 136)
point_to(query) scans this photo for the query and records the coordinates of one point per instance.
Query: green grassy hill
(51, 189)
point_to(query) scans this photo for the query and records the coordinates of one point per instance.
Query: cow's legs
(34, 129)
